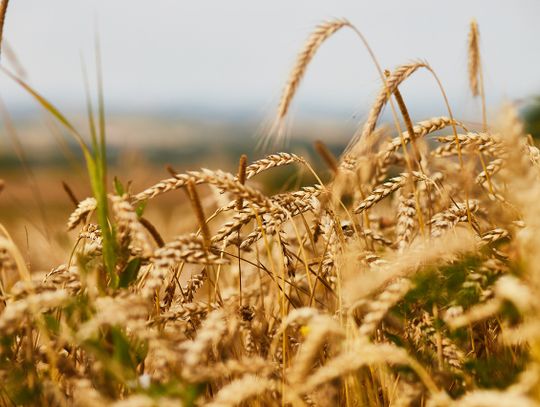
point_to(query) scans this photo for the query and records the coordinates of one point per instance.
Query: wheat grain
(494, 235)
(189, 249)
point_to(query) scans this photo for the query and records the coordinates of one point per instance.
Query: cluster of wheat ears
(411, 278)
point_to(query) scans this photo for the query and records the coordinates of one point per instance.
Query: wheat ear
(322, 32)
(389, 87)
(474, 58)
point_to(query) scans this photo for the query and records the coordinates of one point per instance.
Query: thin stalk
(100, 182)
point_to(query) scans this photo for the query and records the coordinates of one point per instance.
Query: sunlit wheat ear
(188, 249)
(392, 82)
(491, 169)
(405, 220)
(382, 191)
(129, 228)
(295, 203)
(85, 207)
(67, 278)
(272, 161)
(420, 129)
(474, 58)
(323, 31)
(193, 284)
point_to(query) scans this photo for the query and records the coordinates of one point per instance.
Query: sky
(235, 55)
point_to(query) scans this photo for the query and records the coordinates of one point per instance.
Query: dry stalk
(199, 213)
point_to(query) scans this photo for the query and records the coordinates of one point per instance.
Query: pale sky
(236, 54)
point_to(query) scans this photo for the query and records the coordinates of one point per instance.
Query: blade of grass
(89, 107)
(109, 242)
(96, 167)
(48, 106)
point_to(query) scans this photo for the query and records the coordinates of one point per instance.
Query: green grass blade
(89, 108)
(109, 241)
(51, 109)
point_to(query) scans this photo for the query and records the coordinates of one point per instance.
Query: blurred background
(196, 84)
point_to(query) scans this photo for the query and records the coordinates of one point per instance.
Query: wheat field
(411, 278)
